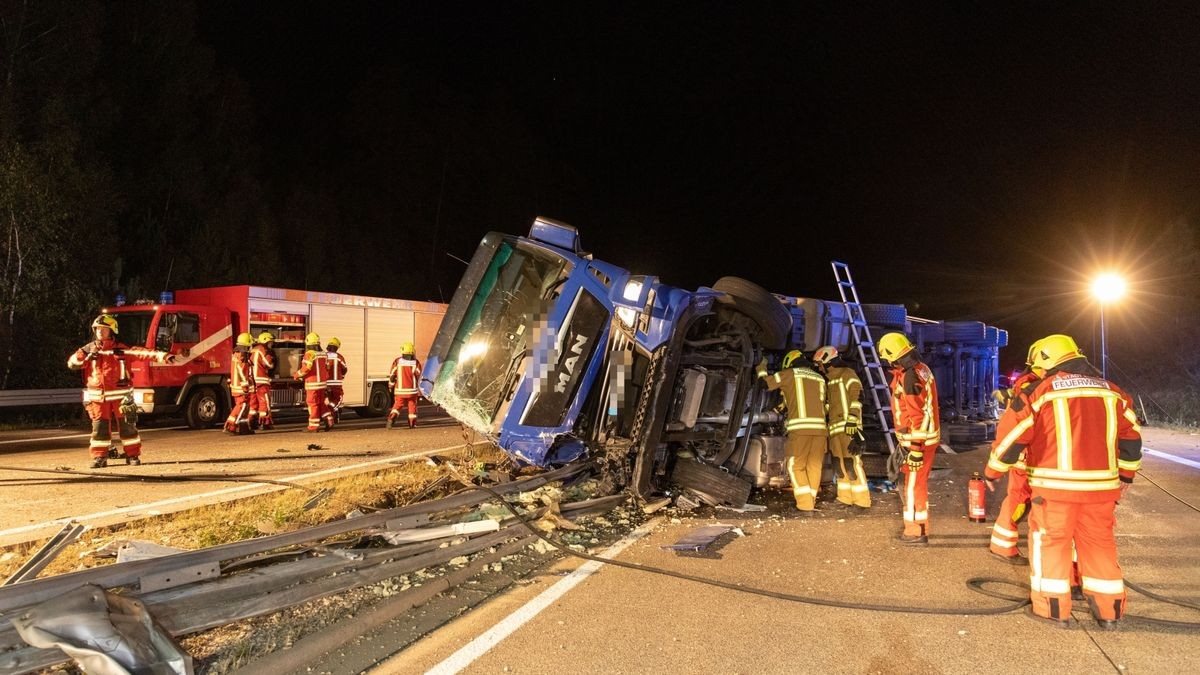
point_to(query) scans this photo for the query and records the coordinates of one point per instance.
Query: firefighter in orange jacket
(262, 365)
(807, 432)
(1082, 448)
(845, 426)
(314, 370)
(403, 378)
(337, 372)
(1016, 497)
(108, 396)
(241, 387)
(918, 429)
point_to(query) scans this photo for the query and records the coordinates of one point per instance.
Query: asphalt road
(625, 621)
(37, 504)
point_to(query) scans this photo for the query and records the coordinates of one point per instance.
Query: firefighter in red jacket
(241, 387)
(314, 370)
(107, 385)
(262, 366)
(918, 429)
(1016, 497)
(1082, 447)
(403, 378)
(337, 372)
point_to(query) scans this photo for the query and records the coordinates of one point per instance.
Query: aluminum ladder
(880, 398)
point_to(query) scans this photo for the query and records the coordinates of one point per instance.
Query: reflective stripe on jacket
(105, 376)
(804, 394)
(845, 404)
(915, 406)
(1079, 434)
(337, 368)
(262, 362)
(240, 381)
(314, 370)
(405, 375)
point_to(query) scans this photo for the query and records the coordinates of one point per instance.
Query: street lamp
(1107, 288)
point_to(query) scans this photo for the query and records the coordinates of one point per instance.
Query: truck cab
(554, 355)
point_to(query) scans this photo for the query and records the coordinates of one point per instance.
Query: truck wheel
(754, 301)
(378, 403)
(965, 331)
(203, 408)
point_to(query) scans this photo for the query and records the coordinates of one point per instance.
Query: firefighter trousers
(260, 407)
(1014, 507)
(402, 400)
(1053, 526)
(805, 455)
(335, 400)
(105, 415)
(916, 495)
(318, 408)
(239, 418)
(851, 479)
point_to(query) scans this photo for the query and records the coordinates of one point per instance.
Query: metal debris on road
(701, 538)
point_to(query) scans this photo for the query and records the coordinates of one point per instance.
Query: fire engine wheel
(203, 408)
(378, 403)
(757, 303)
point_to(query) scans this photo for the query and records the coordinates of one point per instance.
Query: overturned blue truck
(556, 356)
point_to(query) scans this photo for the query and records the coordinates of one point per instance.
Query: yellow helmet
(408, 348)
(312, 339)
(825, 354)
(265, 337)
(894, 345)
(790, 358)
(245, 340)
(1052, 351)
(105, 321)
(334, 342)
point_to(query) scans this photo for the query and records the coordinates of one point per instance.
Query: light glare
(1108, 287)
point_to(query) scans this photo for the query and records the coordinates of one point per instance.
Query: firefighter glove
(855, 448)
(852, 427)
(169, 358)
(762, 366)
(991, 485)
(914, 459)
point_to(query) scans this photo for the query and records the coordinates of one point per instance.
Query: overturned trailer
(555, 355)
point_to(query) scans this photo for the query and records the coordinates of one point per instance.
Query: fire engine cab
(199, 325)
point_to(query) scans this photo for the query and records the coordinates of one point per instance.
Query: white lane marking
(264, 488)
(1167, 456)
(509, 624)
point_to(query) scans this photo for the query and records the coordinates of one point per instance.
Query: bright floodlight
(1108, 287)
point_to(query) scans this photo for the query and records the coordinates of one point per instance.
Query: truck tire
(992, 336)
(1001, 338)
(885, 316)
(754, 301)
(965, 331)
(930, 332)
(378, 402)
(203, 408)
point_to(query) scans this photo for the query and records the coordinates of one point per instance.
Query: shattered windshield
(516, 291)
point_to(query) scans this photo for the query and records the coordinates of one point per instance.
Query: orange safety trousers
(240, 414)
(104, 415)
(1012, 509)
(1054, 525)
(260, 407)
(401, 401)
(335, 395)
(916, 495)
(318, 408)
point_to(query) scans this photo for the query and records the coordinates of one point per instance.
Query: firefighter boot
(390, 421)
(99, 462)
(133, 461)
(412, 423)
(914, 539)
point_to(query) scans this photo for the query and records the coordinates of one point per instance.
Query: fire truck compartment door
(348, 325)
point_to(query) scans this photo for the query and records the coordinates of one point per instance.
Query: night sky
(971, 160)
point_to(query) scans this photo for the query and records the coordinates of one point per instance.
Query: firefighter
(337, 372)
(1082, 447)
(845, 426)
(403, 379)
(314, 370)
(262, 366)
(241, 387)
(107, 388)
(918, 429)
(1016, 496)
(807, 431)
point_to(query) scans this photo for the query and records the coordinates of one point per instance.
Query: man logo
(569, 364)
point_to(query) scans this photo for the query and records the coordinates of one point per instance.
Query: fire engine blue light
(120, 299)
(166, 298)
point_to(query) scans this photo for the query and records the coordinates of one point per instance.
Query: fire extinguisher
(976, 499)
